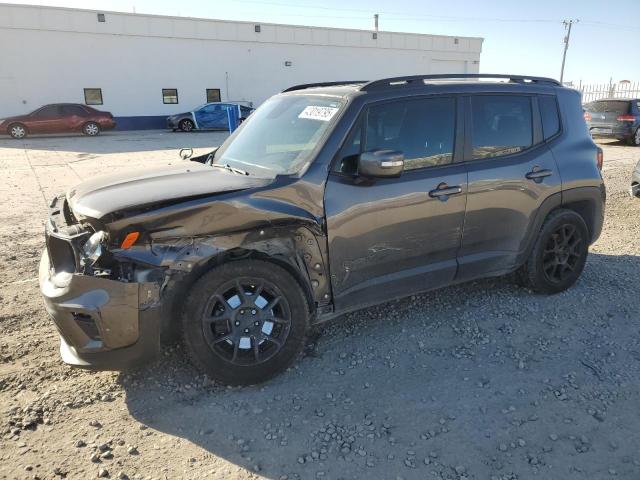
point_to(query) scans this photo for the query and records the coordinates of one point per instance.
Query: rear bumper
(103, 324)
(621, 132)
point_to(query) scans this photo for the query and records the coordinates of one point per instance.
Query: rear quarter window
(549, 114)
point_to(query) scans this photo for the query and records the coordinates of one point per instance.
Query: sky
(519, 37)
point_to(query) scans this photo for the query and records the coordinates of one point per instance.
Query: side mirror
(186, 153)
(381, 163)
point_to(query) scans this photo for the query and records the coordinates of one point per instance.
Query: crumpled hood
(102, 195)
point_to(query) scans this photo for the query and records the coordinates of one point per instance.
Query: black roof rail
(410, 80)
(322, 84)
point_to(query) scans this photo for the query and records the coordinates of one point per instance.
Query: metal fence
(609, 90)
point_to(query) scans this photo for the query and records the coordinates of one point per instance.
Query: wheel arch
(588, 202)
(297, 253)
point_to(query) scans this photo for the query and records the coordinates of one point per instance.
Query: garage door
(448, 66)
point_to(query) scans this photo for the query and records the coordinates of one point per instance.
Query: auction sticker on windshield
(313, 112)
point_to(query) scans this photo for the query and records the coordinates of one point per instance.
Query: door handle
(537, 174)
(443, 191)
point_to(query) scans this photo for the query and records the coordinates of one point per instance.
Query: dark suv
(329, 198)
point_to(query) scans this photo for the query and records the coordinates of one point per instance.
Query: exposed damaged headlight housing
(94, 247)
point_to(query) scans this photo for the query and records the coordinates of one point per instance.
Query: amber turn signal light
(129, 240)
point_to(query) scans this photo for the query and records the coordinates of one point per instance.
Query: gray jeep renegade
(329, 198)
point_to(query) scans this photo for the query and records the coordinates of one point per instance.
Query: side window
(73, 110)
(245, 111)
(549, 113)
(501, 125)
(423, 129)
(348, 162)
(49, 111)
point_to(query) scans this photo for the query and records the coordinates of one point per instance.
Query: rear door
(74, 117)
(390, 237)
(511, 171)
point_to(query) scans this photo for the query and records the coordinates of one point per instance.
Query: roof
(343, 88)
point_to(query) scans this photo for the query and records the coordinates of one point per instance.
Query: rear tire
(17, 131)
(186, 125)
(91, 129)
(559, 254)
(634, 140)
(244, 322)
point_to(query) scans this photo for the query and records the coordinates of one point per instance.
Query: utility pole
(375, 26)
(567, 26)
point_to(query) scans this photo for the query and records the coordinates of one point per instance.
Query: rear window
(608, 106)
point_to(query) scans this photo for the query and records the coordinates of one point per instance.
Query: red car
(59, 118)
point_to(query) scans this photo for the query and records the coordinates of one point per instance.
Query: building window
(93, 96)
(256, 28)
(169, 95)
(101, 18)
(213, 95)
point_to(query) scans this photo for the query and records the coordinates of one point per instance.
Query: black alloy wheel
(559, 253)
(562, 253)
(246, 321)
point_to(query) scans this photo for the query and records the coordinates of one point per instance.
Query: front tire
(186, 125)
(559, 254)
(244, 322)
(91, 129)
(17, 131)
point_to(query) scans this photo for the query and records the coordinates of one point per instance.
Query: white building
(132, 63)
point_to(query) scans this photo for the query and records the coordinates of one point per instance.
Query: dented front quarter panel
(277, 223)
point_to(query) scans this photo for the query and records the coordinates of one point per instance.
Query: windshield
(280, 136)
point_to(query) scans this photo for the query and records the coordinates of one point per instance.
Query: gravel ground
(479, 381)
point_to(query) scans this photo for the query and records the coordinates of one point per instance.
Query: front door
(48, 119)
(511, 172)
(392, 237)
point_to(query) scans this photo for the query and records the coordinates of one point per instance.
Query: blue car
(210, 116)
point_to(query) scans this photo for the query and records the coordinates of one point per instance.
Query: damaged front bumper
(103, 324)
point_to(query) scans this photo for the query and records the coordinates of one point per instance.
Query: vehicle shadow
(116, 142)
(432, 383)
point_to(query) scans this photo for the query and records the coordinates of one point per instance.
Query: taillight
(626, 118)
(599, 158)
(587, 117)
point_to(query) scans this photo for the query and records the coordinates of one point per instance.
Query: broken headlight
(94, 247)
